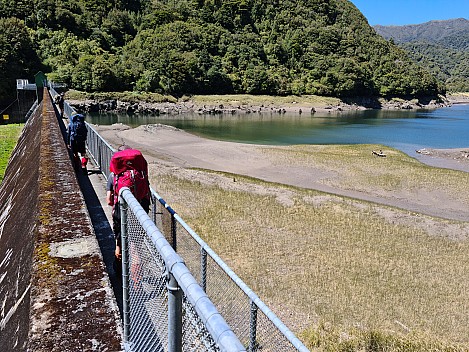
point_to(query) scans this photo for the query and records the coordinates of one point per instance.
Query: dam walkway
(57, 276)
(55, 290)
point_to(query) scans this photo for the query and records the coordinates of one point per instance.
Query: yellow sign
(6, 117)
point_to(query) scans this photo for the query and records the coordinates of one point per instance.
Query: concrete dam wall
(54, 290)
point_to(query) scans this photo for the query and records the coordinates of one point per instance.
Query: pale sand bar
(166, 146)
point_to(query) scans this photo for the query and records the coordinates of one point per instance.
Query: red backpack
(130, 170)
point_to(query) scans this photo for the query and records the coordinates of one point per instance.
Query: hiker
(59, 101)
(128, 168)
(76, 140)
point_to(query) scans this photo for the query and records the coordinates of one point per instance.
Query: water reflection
(405, 130)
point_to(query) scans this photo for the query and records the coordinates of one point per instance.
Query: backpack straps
(116, 183)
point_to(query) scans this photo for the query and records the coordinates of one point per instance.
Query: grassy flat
(358, 268)
(376, 263)
(8, 137)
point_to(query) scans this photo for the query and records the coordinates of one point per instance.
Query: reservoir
(406, 130)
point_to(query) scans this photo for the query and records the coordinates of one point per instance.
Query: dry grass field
(379, 262)
(342, 273)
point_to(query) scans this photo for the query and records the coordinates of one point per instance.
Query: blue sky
(400, 12)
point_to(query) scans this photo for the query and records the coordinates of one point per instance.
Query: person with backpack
(128, 168)
(76, 139)
(59, 101)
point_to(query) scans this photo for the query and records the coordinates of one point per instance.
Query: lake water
(404, 130)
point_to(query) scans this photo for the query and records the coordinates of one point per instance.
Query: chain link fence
(253, 323)
(164, 307)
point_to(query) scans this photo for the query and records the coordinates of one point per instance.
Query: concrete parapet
(54, 288)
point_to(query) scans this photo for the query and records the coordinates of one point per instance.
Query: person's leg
(76, 157)
(116, 227)
(84, 157)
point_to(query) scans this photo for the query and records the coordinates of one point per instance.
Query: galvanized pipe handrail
(214, 322)
(204, 246)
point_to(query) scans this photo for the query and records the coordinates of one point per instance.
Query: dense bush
(442, 47)
(18, 58)
(178, 47)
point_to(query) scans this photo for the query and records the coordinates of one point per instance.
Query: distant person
(128, 168)
(59, 101)
(76, 140)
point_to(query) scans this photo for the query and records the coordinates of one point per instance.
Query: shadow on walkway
(101, 225)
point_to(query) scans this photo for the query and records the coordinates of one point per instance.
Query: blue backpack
(78, 131)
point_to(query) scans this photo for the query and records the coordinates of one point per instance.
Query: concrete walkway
(57, 292)
(93, 187)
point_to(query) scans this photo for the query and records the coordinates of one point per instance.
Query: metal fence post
(173, 232)
(203, 268)
(253, 328)
(125, 270)
(153, 207)
(174, 315)
(100, 159)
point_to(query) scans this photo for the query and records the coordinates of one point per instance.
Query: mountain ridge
(442, 46)
(433, 31)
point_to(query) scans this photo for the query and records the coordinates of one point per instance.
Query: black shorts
(78, 147)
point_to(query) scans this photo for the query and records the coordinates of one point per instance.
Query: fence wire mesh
(268, 337)
(230, 300)
(148, 298)
(260, 330)
(195, 336)
(189, 250)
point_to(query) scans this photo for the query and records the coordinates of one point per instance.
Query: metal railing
(255, 325)
(164, 309)
(14, 113)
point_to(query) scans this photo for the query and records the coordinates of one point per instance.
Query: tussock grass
(130, 97)
(8, 137)
(357, 169)
(325, 338)
(322, 260)
(266, 100)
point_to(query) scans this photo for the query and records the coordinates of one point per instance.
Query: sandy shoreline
(454, 158)
(168, 147)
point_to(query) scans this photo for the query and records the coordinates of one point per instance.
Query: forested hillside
(441, 46)
(178, 47)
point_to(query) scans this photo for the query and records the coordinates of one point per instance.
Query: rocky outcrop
(117, 106)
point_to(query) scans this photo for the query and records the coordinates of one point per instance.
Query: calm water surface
(404, 130)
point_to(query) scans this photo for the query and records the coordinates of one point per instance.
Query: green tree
(18, 58)
(103, 76)
(243, 46)
(119, 25)
(82, 75)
